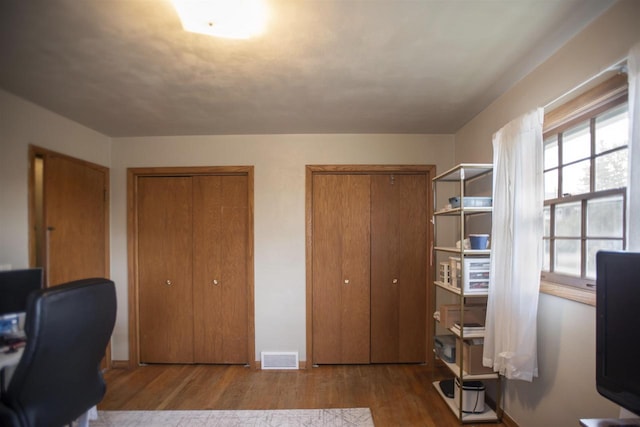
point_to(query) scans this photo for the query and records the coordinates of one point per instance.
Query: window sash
(584, 238)
(586, 108)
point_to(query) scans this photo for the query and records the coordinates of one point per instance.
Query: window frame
(586, 107)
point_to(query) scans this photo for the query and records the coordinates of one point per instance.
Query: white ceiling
(126, 67)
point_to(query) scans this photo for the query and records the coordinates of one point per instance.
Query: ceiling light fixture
(235, 19)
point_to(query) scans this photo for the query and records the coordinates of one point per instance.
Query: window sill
(583, 296)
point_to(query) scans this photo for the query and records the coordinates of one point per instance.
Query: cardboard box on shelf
(471, 352)
(450, 314)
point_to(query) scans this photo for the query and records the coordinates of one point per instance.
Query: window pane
(551, 184)
(568, 219)
(547, 221)
(576, 178)
(576, 143)
(594, 246)
(604, 217)
(551, 153)
(547, 256)
(611, 170)
(567, 257)
(612, 129)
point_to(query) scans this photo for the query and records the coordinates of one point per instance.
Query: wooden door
(398, 268)
(165, 296)
(341, 267)
(75, 219)
(220, 231)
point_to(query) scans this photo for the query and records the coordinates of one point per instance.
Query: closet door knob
(168, 283)
(214, 282)
(394, 281)
(346, 281)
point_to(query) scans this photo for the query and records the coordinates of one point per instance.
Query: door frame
(34, 153)
(133, 174)
(311, 170)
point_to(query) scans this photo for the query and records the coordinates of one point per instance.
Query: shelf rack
(462, 174)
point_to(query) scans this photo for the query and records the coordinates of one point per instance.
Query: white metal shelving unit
(462, 174)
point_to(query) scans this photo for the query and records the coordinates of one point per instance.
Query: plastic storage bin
(472, 202)
(446, 347)
(476, 273)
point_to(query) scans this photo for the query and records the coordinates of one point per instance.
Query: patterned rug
(352, 417)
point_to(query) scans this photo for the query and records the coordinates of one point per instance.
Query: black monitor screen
(15, 287)
(617, 327)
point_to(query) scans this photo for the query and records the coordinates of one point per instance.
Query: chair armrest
(8, 417)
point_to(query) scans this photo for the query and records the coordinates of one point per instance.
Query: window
(585, 175)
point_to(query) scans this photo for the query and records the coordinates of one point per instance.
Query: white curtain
(516, 248)
(633, 183)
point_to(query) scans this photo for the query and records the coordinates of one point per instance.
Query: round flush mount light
(234, 19)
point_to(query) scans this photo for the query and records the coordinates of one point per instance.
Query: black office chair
(58, 377)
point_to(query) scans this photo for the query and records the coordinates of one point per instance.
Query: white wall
(279, 197)
(565, 390)
(279, 191)
(279, 162)
(23, 123)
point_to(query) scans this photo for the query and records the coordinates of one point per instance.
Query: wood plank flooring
(398, 395)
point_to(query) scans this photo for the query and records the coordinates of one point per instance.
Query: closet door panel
(164, 268)
(234, 242)
(341, 269)
(207, 258)
(413, 263)
(220, 282)
(385, 307)
(398, 268)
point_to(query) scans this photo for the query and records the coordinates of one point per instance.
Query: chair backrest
(58, 377)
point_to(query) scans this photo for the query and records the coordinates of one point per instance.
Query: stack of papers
(469, 328)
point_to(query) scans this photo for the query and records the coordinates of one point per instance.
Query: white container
(472, 396)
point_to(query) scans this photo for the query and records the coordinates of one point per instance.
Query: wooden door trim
(35, 151)
(311, 170)
(133, 174)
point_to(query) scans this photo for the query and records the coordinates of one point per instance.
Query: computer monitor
(15, 287)
(617, 332)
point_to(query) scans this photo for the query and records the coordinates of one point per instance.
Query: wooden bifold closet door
(341, 268)
(369, 268)
(220, 269)
(398, 268)
(192, 248)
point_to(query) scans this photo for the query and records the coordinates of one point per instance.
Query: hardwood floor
(398, 395)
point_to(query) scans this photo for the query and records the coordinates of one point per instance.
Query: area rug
(351, 417)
